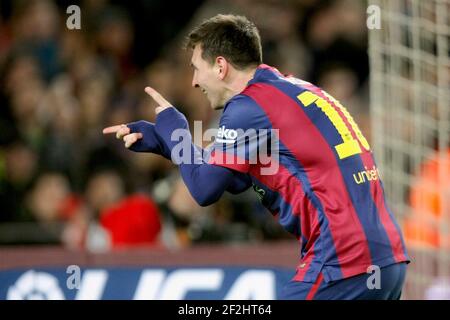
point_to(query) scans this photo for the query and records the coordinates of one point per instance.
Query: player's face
(206, 77)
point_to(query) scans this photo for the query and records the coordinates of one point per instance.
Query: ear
(222, 66)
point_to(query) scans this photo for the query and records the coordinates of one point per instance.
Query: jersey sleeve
(244, 137)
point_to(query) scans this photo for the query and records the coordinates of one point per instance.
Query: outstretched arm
(140, 136)
(205, 182)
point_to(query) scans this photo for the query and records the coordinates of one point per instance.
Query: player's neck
(238, 81)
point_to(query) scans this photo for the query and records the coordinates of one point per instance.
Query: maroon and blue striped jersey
(317, 174)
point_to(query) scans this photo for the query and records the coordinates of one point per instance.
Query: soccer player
(321, 181)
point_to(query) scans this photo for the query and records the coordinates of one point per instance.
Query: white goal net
(410, 121)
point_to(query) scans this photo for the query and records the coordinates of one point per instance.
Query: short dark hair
(234, 37)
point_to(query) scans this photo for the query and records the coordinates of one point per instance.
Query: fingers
(157, 97)
(112, 129)
(124, 130)
(163, 103)
(129, 139)
(120, 130)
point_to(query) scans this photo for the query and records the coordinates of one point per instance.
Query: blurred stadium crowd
(63, 182)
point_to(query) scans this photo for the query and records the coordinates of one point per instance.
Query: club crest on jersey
(226, 135)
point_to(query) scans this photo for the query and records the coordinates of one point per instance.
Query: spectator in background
(430, 203)
(121, 220)
(114, 40)
(427, 228)
(35, 29)
(47, 196)
(44, 205)
(19, 168)
(59, 87)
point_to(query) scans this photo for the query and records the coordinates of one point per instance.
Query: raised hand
(142, 136)
(163, 103)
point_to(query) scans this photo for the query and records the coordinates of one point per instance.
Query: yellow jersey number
(349, 146)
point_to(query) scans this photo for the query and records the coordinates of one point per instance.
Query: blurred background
(64, 185)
